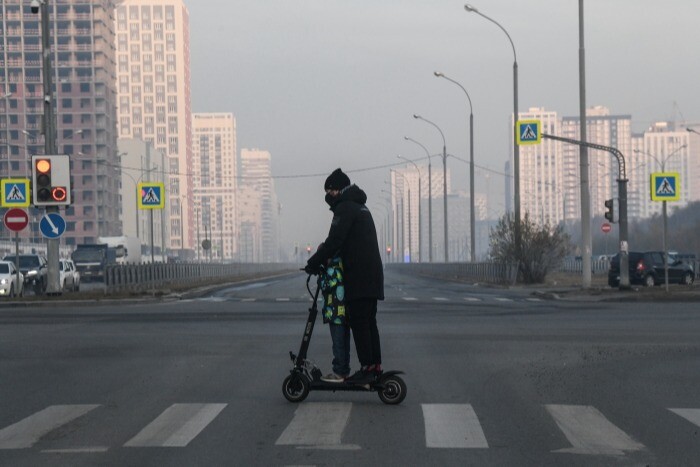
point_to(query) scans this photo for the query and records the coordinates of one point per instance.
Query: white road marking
(318, 424)
(25, 433)
(441, 299)
(503, 299)
(282, 299)
(472, 299)
(589, 432)
(692, 415)
(533, 299)
(176, 426)
(248, 300)
(410, 299)
(452, 426)
(86, 450)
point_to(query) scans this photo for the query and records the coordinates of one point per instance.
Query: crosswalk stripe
(441, 299)
(472, 299)
(176, 426)
(503, 299)
(247, 299)
(283, 299)
(452, 426)
(410, 299)
(25, 433)
(692, 415)
(589, 432)
(317, 424)
(533, 299)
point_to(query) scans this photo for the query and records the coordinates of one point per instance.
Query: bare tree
(542, 247)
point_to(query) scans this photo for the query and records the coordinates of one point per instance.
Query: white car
(9, 285)
(69, 277)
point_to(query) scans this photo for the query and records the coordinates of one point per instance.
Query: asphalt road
(495, 377)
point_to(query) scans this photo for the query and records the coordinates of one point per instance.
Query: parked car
(647, 268)
(34, 269)
(9, 286)
(69, 277)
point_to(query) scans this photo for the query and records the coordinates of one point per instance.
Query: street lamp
(398, 231)
(410, 236)
(662, 164)
(444, 174)
(472, 203)
(430, 200)
(420, 230)
(516, 148)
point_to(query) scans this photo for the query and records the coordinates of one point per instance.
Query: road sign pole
(150, 215)
(17, 257)
(665, 214)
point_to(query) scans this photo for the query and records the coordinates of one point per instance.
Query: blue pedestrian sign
(15, 193)
(665, 186)
(52, 225)
(528, 132)
(151, 195)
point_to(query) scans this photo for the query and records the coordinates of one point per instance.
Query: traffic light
(610, 210)
(51, 181)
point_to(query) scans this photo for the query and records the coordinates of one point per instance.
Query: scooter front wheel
(393, 391)
(295, 387)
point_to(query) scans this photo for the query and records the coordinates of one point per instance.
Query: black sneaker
(361, 377)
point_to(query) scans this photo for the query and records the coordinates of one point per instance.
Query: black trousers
(362, 315)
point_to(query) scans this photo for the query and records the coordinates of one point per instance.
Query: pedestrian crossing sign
(151, 195)
(15, 193)
(528, 132)
(665, 186)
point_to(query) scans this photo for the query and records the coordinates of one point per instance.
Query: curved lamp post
(472, 203)
(516, 148)
(430, 200)
(444, 175)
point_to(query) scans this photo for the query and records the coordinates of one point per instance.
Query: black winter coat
(353, 233)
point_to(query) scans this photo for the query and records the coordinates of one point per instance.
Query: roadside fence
(139, 277)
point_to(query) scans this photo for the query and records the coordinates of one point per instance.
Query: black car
(647, 268)
(35, 271)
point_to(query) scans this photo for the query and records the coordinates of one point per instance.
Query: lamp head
(416, 116)
(470, 8)
(35, 6)
(438, 74)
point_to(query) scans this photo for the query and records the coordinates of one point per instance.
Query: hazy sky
(322, 84)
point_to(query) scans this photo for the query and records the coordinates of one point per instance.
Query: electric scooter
(305, 376)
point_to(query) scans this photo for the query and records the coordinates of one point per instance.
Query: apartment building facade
(154, 98)
(83, 73)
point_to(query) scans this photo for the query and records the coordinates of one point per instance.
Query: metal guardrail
(136, 277)
(494, 273)
(598, 266)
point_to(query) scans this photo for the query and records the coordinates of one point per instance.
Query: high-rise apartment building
(215, 171)
(153, 84)
(83, 75)
(604, 129)
(258, 208)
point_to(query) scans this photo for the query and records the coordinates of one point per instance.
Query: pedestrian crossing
(322, 425)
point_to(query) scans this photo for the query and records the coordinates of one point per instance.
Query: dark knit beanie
(336, 181)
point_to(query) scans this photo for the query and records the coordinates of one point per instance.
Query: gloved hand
(313, 270)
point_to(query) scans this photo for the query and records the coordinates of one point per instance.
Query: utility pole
(49, 131)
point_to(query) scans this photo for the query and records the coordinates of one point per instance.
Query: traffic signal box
(51, 180)
(612, 212)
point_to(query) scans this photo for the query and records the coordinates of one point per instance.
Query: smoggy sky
(322, 84)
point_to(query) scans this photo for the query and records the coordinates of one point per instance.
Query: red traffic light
(59, 193)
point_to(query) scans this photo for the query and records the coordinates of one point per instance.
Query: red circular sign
(16, 219)
(606, 227)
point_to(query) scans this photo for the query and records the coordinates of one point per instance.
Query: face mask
(330, 199)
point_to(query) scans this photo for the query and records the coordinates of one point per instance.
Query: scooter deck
(318, 385)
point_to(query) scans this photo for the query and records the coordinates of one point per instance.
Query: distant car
(9, 286)
(34, 269)
(647, 268)
(69, 277)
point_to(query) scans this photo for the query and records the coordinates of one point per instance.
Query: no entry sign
(16, 219)
(606, 228)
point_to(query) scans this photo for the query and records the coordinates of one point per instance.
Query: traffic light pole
(622, 193)
(53, 285)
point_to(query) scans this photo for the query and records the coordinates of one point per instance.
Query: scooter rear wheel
(295, 387)
(393, 391)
